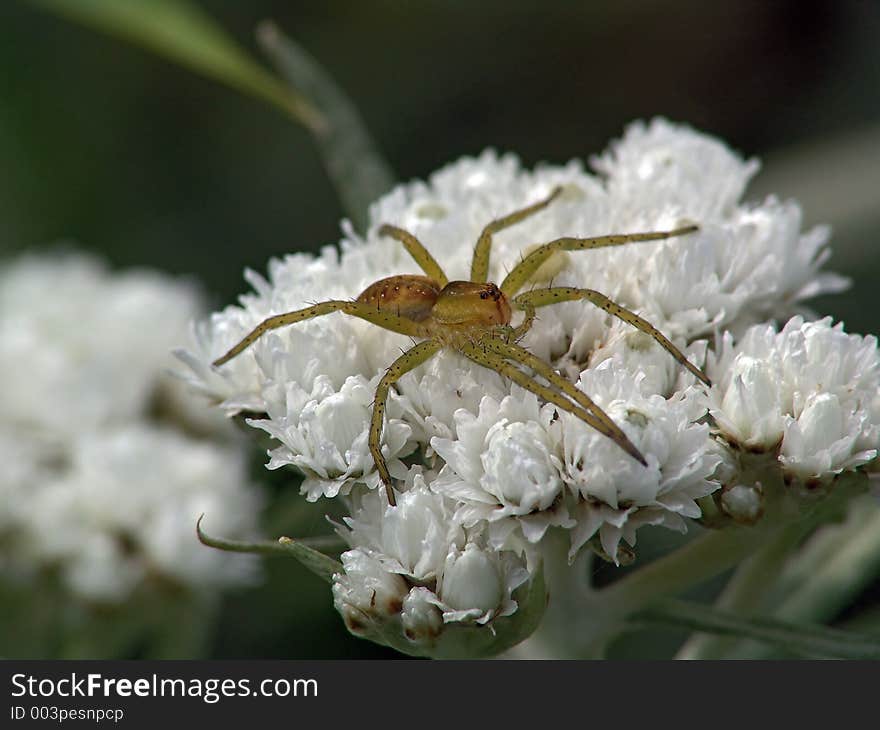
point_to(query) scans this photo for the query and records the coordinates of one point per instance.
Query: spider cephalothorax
(474, 318)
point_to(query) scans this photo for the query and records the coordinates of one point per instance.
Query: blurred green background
(128, 155)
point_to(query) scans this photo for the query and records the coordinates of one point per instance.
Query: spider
(474, 319)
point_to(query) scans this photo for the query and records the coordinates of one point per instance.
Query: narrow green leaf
(321, 565)
(808, 640)
(318, 563)
(353, 161)
(182, 32)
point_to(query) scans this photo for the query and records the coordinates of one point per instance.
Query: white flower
(477, 584)
(615, 494)
(747, 262)
(810, 389)
(411, 539)
(93, 490)
(123, 507)
(421, 619)
(744, 263)
(744, 503)
(81, 348)
(503, 468)
(822, 440)
(484, 469)
(325, 433)
(425, 568)
(366, 594)
(751, 410)
(431, 395)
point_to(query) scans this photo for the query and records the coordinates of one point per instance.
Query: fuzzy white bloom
(615, 495)
(809, 390)
(124, 510)
(325, 433)
(504, 468)
(80, 347)
(414, 568)
(91, 488)
(497, 468)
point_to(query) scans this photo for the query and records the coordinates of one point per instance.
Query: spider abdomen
(406, 295)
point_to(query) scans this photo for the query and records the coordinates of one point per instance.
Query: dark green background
(130, 156)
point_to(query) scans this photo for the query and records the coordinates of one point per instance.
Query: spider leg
(524, 326)
(409, 360)
(500, 365)
(514, 352)
(416, 249)
(480, 263)
(543, 297)
(382, 318)
(524, 270)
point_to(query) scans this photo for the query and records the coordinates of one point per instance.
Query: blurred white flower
(92, 489)
(124, 510)
(82, 348)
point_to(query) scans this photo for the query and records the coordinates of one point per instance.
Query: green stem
(832, 570)
(354, 164)
(704, 557)
(303, 550)
(757, 577)
(809, 640)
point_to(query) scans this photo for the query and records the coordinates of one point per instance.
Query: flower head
(412, 569)
(486, 471)
(808, 391)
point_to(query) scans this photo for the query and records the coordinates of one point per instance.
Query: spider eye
(484, 295)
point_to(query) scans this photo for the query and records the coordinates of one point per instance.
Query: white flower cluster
(502, 468)
(413, 564)
(90, 489)
(810, 392)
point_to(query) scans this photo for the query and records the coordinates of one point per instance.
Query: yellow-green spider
(473, 318)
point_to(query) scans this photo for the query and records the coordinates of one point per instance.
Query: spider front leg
(524, 270)
(382, 318)
(488, 359)
(544, 297)
(480, 263)
(511, 351)
(409, 360)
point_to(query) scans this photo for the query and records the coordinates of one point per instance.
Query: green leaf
(808, 640)
(182, 32)
(353, 161)
(314, 560)
(321, 565)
